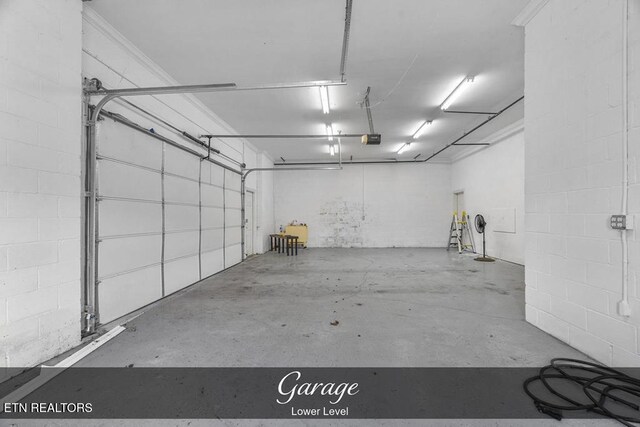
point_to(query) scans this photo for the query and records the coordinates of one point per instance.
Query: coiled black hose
(596, 383)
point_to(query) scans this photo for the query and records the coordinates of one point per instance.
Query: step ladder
(459, 232)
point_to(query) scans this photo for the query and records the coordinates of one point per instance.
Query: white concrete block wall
(573, 152)
(40, 149)
(492, 180)
(368, 205)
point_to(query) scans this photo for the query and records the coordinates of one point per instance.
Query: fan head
(480, 223)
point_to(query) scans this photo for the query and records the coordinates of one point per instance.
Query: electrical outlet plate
(630, 222)
(619, 222)
(624, 309)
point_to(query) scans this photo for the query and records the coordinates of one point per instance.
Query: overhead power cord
(393, 89)
(578, 385)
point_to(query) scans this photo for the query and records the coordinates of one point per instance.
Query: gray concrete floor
(395, 307)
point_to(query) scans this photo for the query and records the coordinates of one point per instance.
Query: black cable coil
(603, 390)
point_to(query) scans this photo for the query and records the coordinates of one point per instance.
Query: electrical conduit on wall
(623, 306)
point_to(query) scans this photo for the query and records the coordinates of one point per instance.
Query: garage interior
(152, 153)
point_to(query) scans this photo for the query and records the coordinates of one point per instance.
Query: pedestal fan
(480, 227)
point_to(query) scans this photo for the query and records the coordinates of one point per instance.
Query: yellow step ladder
(459, 232)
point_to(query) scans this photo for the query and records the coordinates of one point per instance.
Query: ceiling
(412, 53)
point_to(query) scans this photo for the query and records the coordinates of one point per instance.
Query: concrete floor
(395, 307)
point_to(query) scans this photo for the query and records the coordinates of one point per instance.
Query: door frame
(250, 232)
(456, 200)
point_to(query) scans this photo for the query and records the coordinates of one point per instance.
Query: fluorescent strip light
(330, 132)
(404, 147)
(332, 150)
(421, 129)
(324, 99)
(464, 84)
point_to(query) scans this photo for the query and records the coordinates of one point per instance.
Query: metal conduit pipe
(274, 169)
(624, 308)
(415, 160)
(474, 129)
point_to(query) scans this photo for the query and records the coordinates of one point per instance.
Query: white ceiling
(411, 52)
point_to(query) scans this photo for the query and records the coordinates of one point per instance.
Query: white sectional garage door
(166, 219)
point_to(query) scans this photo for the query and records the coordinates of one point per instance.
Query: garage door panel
(120, 180)
(232, 199)
(181, 244)
(119, 142)
(232, 217)
(125, 254)
(181, 190)
(184, 223)
(212, 217)
(233, 255)
(181, 273)
(217, 175)
(205, 172)
(232, 180)
(212, 196)
(232, 236)
(181, 163)
(212, 240)
(178, 217)
(212, 262)
(123, 294)
(122, 217)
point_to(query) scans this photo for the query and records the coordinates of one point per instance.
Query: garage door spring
(577, 385)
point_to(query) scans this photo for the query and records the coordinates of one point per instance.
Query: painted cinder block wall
(40, 149)
(368, 205)
(492, 180)
(573, 164)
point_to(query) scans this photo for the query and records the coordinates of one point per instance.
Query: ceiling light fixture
(404, 147)
(330, 132)
(462, 86)
(421, 129)
(332, 150)
(324, 99)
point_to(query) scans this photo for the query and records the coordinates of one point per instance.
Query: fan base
(484, 259)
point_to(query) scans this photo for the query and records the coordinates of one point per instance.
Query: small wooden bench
(274, 241)
(284, 243)
(291, 243)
